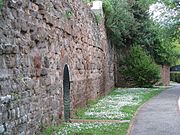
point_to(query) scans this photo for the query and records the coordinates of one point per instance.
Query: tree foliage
(128, 22)
(175, 76)
(169, 16)
(159, 45)
(119, 21)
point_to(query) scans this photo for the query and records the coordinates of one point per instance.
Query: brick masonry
(38, 37)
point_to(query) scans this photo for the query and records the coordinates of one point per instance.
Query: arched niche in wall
(66, 93)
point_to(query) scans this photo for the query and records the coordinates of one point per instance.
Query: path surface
(160, 116)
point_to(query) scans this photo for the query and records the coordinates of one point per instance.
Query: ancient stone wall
(37, 39)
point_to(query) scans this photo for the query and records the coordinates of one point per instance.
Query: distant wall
(38, 37)
(120, 81)
(175, 76)
(165, 75)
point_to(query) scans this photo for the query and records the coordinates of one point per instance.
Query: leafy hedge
(140, 68)
(175, 76)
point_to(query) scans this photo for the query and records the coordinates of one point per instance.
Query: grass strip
(120, 104)
(87, 129)
(119, 101)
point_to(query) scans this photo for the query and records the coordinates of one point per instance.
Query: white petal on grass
(110, 106)
(76, 127)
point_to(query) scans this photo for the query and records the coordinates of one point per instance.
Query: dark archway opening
(66, 93)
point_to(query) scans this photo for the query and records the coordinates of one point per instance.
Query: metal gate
(66, 93)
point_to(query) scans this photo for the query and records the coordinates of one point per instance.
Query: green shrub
(1, 3)
(107, 7)
(140, 68)
(175, 76)
(68, 14)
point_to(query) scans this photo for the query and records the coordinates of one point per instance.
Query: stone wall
(165, 75)
(38, 37)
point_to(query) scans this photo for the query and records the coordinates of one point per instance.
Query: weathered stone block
(45, 81)
(22, 133)
(10, 61)
(0, 116)
(2, 129)
(5, 116)
(13, 114)
(33, 7)
(24, 28)
(44, 72)
(48, 19)
(24, 119)
(37, 61)
(15, 4)
(8, 49)
(2, 62)
(40, 4)
(5, 99)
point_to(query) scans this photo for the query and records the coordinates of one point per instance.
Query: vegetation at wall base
(1, 3)
(135, 98)
(175, 76)
(140, 68)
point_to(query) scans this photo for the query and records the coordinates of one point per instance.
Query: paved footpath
(160, 116)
